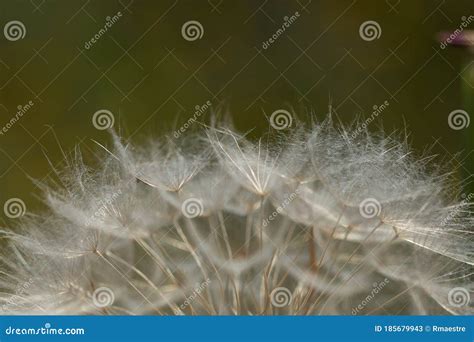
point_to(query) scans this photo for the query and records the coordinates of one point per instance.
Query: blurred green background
(150, 78)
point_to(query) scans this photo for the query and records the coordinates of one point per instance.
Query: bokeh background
(150, 78)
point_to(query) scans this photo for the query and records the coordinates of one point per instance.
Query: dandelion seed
(281, 212)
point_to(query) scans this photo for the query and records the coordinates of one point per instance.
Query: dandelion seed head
(338, 220)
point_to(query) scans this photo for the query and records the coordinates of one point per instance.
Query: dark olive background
(150, 78)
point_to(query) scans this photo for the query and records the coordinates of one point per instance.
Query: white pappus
(302, 222)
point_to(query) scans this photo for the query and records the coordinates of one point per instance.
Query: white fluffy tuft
(212, 223)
